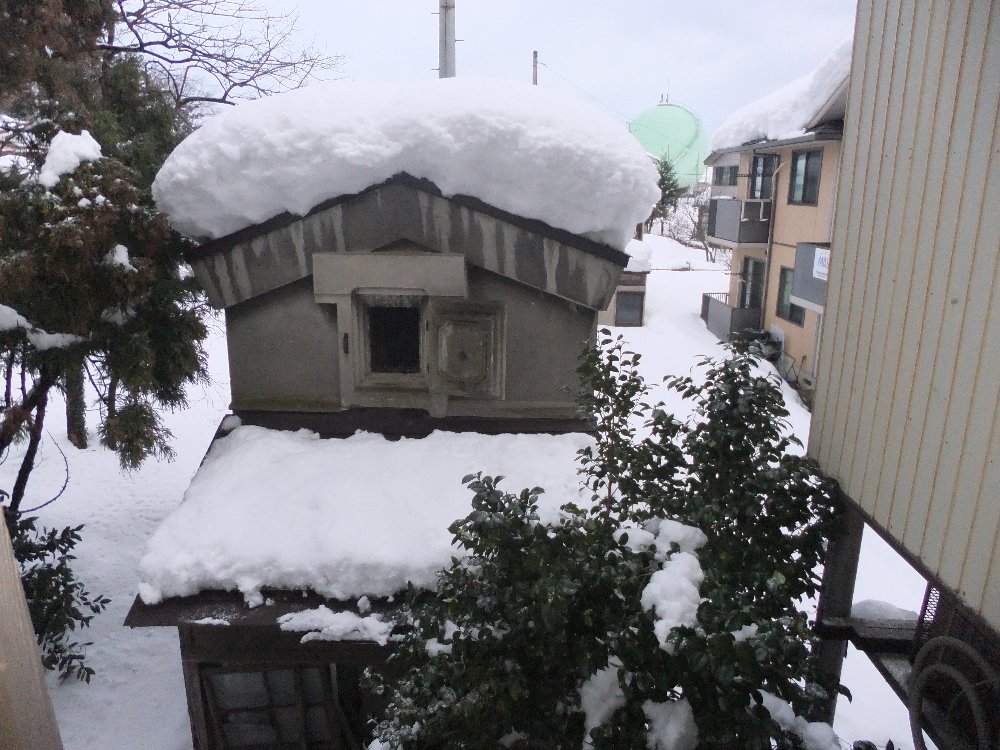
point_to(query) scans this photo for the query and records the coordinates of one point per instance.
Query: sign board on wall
(821, 263)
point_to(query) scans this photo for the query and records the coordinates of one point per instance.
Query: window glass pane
(762, 169)
(394, 339)
(628, 309)
(240, 690)
(784, 292)
(804, 182)
(281, 683)
(798, 179)
(249, 728)
(785, 308)
(312, 686)
(814, 165)
(318, 724)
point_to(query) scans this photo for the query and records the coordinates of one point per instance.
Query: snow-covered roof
(639, 254)
(520, 148)
(789, 111)
(343, 517)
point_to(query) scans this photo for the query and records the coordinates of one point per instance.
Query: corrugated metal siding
(906, 413)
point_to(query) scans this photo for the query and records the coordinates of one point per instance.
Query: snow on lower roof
(785, 113)
(521, 148)
(343, 517)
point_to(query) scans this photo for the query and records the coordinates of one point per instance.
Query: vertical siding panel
(935, 362)
(990, 550)
(883, 249)
(830, 355)
(904, 200)
(866, 271)
(974, 522)
(916, 288)
(852, 283)
(962, 322)
(908, 500)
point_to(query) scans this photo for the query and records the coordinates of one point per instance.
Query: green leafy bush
(58, 603)
(552, 635)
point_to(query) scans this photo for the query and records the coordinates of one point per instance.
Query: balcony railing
(739, 221)
(725, 321)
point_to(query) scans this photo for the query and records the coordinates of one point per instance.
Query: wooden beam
(27, 719)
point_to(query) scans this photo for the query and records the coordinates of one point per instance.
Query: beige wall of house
(906, 415)
(797, 223)
(799, 340)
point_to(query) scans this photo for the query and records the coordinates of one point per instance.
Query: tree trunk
(16, 416)
(28, 462)
(111, 401)
(76, 407)
(8, 398)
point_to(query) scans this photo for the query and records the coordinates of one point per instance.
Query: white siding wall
(906, 415)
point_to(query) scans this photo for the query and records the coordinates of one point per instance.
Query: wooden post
(27, 720)
(837, 591)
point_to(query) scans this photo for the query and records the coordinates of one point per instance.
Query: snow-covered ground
(136, 700)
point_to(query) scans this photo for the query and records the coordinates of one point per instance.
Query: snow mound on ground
(521, 148)
(784, 113)
(345, 518)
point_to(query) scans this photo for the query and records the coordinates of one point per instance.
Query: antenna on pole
(446, 40)
(534, 68)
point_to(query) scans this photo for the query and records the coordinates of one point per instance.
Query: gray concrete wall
(544, 338)
(284, 353)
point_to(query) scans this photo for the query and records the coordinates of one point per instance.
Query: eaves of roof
(823, 133)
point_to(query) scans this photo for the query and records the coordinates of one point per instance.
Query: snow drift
(786, 112)
(521, 148)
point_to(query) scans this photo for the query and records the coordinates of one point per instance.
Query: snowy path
(136, 700)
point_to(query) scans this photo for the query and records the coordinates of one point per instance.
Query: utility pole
(446, 41)
(534, 68)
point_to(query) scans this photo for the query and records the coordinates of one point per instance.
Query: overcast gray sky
(712, 56)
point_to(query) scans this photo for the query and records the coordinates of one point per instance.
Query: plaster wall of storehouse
(284, 351)
(492, 309)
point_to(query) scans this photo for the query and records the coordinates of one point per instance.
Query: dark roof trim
(824, 133)
(230, 606)
(417, 183)
(410, 423)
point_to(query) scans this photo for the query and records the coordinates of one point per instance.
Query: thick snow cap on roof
(786, 112)
(520, 148)
(346, 518)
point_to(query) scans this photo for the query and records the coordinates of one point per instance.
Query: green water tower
(672, 131)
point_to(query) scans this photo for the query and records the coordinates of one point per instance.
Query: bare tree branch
(216, 51)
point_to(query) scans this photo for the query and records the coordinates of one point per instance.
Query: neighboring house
(774, 172)
(627, 308)
(906, 406)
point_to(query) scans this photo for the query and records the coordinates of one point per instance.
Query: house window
(786, 309)
(724, 175)
(393, 339)
(628, 308)
(761, 171)
(751, 283)
(293, 705)
(803, 184)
